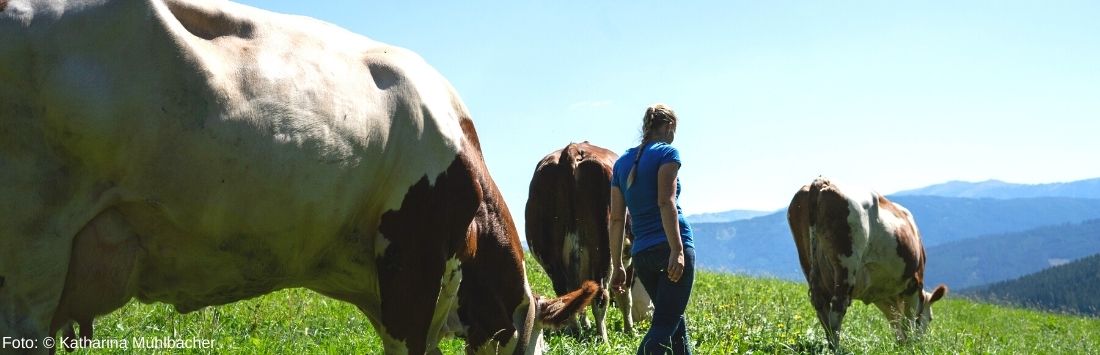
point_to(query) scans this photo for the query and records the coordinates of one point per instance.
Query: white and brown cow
(201, 152)
(568, 206)
(859, 245)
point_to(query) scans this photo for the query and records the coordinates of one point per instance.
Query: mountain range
(1089, 188)
(977, 235)
(725, 216)
(946, 219)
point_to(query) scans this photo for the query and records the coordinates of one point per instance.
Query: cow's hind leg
(599, 312)
(625, 303)
(641, 305)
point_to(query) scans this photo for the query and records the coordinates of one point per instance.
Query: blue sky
(770, 94)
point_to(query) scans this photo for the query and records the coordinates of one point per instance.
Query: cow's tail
(819, 184)
(570, 157)
(554, 313)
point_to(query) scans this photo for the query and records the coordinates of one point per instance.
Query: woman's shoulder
(625, 158)
(664, 147)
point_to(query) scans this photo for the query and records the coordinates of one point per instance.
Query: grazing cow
(859, 245)
(202, 152)
(567, 227)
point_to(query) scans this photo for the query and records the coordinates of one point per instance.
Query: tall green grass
(728, 314)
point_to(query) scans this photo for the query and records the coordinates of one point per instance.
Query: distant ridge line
(993, 188)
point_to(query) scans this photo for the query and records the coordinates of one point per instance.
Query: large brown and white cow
(568, 207)
(859, 245)
(201, 152)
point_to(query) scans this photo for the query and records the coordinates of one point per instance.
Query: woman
(644, 181)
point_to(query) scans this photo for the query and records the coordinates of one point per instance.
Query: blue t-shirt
(641, 196)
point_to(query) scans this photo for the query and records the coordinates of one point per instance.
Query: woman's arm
(616, 229)
(666, 201)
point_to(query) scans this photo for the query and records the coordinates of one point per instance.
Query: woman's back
(641, 194)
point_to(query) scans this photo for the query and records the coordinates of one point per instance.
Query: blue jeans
(668, 333)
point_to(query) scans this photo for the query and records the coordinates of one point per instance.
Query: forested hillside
(999, 257)
(1073, 287)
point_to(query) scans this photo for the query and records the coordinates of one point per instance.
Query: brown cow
(197, 153)
(566, 222)
(859, 245)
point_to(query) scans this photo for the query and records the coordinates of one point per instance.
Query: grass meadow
(728, 314)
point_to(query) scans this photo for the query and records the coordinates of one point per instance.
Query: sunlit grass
(728, 314)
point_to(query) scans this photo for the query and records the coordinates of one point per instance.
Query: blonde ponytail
(656, 116)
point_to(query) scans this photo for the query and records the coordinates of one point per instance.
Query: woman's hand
(675, 265)
(618, 280)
